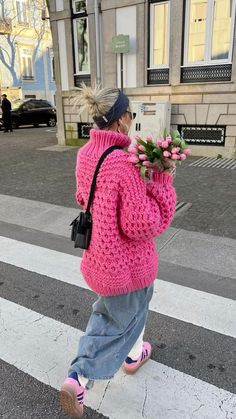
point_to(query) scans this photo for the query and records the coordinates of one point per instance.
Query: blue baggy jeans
(114, 326)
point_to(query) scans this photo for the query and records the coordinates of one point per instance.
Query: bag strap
(93, 185)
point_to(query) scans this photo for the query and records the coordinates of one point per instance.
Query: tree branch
(2, 56)
(6, 52)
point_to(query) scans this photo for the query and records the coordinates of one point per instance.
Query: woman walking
(121, 262)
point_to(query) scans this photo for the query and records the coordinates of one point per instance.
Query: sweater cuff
(162, 178)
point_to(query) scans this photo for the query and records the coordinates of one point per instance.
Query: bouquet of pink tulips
(148, 153)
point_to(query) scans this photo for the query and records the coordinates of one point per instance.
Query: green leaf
(165, 133)
(176, 134)
(177, 142)
(150, 146)
(157, 153)
(143, 171)
(142, 142)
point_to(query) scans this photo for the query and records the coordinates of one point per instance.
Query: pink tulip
(141, 147)
(159, 141)
(147, 163)
(133, 159)
(137, 137)
(187, 151)
(166, 154)
(133, 149)
(182, 156)
(174, 157)
(169, 139)
(142, 157)
(165, 144)
(149, 138)
(175, 150)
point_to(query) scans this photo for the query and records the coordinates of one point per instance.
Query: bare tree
(12, 26)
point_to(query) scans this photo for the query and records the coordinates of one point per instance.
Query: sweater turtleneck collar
(100, 140)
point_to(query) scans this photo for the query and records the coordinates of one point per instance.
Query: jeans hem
(90, 378)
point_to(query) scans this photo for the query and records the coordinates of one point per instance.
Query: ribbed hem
(130, 285)
(162, 178)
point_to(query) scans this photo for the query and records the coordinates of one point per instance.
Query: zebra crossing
(44, 307)
(214, 162)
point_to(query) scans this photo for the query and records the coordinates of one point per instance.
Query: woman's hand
(169, 167)
(168, 163)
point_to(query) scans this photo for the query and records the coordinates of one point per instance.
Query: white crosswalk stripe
(214, 162)
(43, 347)
(192, 306)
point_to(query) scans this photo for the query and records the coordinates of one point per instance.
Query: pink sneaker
(130, 365)
(72, 398)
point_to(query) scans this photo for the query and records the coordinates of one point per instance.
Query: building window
(21, 10)
(52, 65)
(159, 32)
(209, 29)
(1, 11)
(26, 55)
(81, 42)
(79, 6)
(82, 64)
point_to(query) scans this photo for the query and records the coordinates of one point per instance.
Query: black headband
(118, 109)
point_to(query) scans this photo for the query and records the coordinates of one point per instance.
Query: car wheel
(51, 122)
(15, 124)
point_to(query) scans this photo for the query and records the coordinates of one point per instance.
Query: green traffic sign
(120, 44)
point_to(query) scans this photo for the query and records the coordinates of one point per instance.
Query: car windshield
(16, 103)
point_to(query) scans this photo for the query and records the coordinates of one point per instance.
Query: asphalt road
(192, 372)
(48, 176)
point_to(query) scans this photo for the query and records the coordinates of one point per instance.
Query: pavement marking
(37, 215)
(52, 344)
(214, 162)
(200, 308)
(217, 254)
(182, 207)
(58, 148)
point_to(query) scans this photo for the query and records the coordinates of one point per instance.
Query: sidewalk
(179, 249)
(29, 169)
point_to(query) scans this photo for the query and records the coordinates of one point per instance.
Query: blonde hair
(96, 100)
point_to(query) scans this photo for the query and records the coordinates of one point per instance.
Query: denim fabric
(113, 328)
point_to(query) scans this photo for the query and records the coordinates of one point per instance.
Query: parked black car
(32, 112)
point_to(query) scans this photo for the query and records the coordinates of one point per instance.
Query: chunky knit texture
(127, 214)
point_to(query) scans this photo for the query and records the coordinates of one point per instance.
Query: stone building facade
(26, 54)
(181, 51)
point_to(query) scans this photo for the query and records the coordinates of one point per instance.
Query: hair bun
(94, 99)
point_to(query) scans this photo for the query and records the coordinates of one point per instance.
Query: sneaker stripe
(130, 360)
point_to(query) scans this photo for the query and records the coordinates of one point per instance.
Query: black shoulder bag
(82, 225)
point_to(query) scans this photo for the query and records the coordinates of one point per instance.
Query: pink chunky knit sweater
(127, 214)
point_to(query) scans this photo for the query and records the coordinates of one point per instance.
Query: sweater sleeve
(78, 194)
(145, 209)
